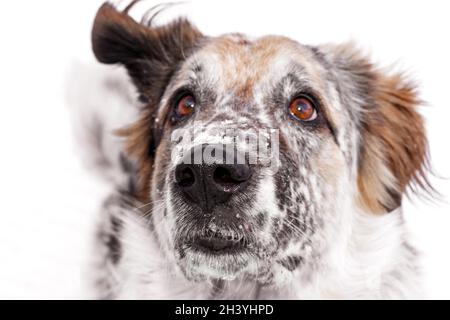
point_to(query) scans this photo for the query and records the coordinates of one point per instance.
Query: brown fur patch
(244, 62)
(137, 146)
(393, 136)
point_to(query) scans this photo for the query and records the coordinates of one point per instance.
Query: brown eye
(185, 106)
(302, 108)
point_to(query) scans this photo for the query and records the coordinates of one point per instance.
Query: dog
(321, 219)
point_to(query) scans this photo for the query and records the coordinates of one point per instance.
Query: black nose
(208, 181)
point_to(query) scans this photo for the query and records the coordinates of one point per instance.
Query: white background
(48, 201)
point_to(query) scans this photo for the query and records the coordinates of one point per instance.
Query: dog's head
(332, 134)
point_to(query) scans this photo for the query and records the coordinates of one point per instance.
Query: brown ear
(150, 54)
(392, 144)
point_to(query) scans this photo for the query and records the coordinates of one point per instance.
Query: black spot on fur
(287, 174)
(217, 289)
(130, 169)
(198, 68)
(113, 243)
(261, 219)
(320, 57)
(291, 263)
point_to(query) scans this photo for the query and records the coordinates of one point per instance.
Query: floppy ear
(392, 144)
(150, 54)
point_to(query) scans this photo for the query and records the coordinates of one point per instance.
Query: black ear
(150, 54)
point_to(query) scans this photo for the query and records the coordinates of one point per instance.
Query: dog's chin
(201, 260)
(200, 265)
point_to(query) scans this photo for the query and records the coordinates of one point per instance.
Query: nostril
(185, 177)
(231, 176)
(223, 176)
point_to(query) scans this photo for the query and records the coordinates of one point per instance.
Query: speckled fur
(312, 235)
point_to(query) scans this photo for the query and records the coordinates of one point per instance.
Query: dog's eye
(185, 106)
(302, 108)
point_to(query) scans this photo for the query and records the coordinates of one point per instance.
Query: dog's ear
(392, 144)
(150, 54)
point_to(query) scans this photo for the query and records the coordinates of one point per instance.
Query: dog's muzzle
(208, 177)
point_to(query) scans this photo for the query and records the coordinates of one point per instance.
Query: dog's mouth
(218, 244)
(221, 254)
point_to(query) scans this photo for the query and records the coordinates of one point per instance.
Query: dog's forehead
(240, 63)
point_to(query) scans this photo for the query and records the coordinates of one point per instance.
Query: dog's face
(223, 218)
(341, 137)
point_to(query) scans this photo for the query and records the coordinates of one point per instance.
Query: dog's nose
(208, 182)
